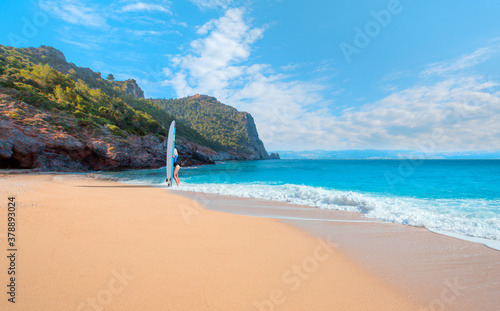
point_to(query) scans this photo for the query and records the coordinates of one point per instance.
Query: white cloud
(179, 23)
(212, 4)
(212, 64)
(141, 6)
(74, 12)
(141, 33)
(88, 46)
(216, 66)
(465, 61)
(459, 113)
(290, 67)
(455, 114)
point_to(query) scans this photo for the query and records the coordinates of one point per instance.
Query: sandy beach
(99, 245)
(85, 244)
(222, 155)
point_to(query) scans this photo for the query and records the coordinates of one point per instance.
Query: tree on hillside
(110, 77)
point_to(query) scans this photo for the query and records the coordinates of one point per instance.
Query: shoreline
(492, 244)
(87, 244)
(417, 260)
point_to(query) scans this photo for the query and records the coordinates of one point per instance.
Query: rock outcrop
(56, 59)
(30, 140)
(255, 145)
(274, 156)
(232, 130)
(73, 128)
(131, 87)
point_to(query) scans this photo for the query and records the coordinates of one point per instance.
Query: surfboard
(170, 153)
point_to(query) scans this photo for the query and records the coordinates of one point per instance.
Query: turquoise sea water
(459, 197)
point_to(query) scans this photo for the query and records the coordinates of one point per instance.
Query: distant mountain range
(386, 154)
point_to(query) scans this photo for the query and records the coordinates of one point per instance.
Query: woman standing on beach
(177, 167)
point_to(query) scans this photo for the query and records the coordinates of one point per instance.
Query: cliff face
(131, 87)
(274, 156)
(254, 144)
(233, 132)
(30, 139)
(56, 59)
(57, 116)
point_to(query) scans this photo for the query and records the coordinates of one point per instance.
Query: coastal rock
(274, 156)
(31, 142)
(255, 145)
(192, 154)
(5, 147)
(223, 156)
(131, 87)
(233, 132)
(43, 128)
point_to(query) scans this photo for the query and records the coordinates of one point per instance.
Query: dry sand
(98, 245)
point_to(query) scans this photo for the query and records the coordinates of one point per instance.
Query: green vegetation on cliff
(93, 101)
(42, 77)
(215, 121)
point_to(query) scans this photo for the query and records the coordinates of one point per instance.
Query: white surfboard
(170, 153)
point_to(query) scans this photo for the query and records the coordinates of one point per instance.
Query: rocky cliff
(55, 115)
(274, 156)
(56, 59)
(233, 131)
(130, 87)
(253, 142)
(31, 139)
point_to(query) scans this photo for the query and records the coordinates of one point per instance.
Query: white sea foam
(472, 218)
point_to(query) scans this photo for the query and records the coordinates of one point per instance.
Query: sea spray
(432, 214)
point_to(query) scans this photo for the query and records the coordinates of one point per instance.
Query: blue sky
(409, 74)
